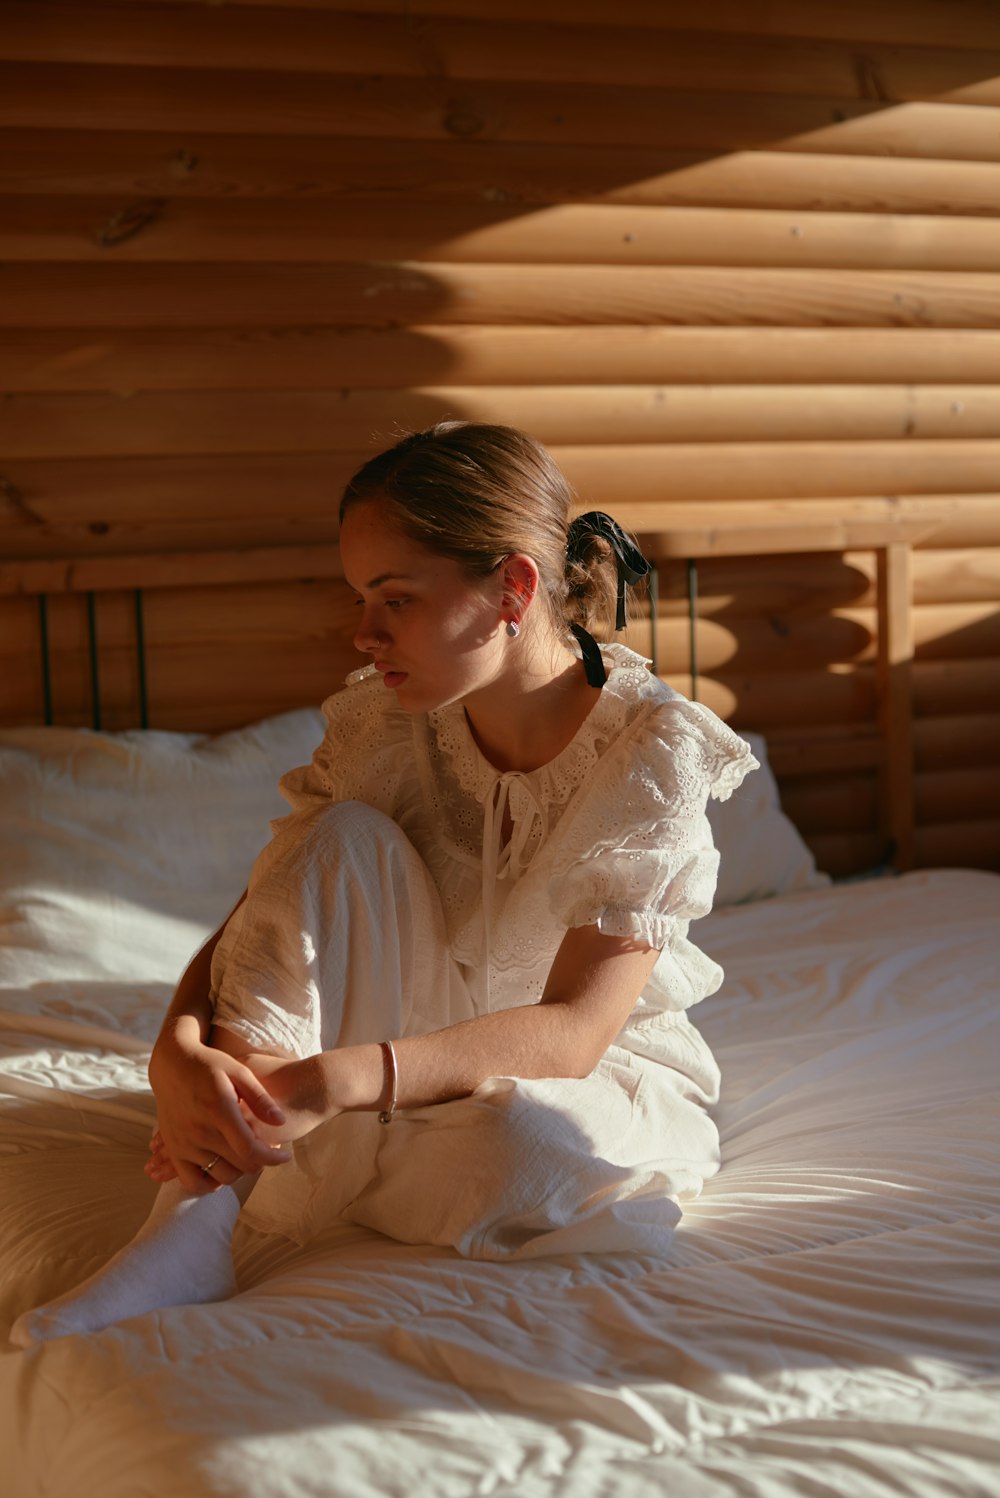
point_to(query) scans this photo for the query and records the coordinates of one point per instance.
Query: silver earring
(513, 628)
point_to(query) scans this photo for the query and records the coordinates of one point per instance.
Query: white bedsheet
(827, 1323)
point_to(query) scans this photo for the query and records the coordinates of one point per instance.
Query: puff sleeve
(637, 859)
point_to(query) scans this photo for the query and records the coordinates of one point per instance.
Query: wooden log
(946, 631)
(957, 741)
(936, 131)
(308, 612)
(811, 583)
(823, 749)
(250, 230)
(247, 358)
(761, 587)
(210, 165)
(920, 22)
(962, 844)
(57, 426)
(765, 701)
(955, 686)
(338, 43)
(72, 509)
(957, 631)
(134, 295)
(144, 164)
(242, 688)
(171, 570)
(106, 507)
(777, 179)
(957, 795)
(845, 853)
(845, 803)
(957, 575)
(788, 643)
(969, 523)
(62, 96)
(775, 471)
(772, 700)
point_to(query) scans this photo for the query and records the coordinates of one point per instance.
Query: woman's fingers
(260, 1102)
(240, 1144)
(201, 1093)
(160, 1171)
(194, 1179)
(214, 1170)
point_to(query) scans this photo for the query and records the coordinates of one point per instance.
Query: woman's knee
(334, 836)
(343, 823)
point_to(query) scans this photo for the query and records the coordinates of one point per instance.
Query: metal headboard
(95, 658)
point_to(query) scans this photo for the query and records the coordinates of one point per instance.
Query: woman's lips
(394, 678)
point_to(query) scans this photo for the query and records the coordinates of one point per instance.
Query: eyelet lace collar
(558, 778)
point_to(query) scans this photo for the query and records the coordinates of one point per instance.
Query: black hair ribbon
(632, 566)
(593, 660)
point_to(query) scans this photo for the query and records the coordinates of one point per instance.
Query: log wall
(752, 263)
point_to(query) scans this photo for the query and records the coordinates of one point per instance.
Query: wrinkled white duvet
(828, 1322)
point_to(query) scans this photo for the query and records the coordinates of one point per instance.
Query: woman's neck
(524, 721)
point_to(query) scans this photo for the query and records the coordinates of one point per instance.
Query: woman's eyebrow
(387, 577)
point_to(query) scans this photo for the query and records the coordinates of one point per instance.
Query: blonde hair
(476, 493)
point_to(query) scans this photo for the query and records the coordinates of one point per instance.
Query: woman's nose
(367, 636)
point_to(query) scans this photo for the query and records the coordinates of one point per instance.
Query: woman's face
(432, 631)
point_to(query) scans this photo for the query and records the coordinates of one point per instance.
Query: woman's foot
(182, 1255)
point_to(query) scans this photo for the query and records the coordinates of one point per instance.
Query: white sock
(182, 1255)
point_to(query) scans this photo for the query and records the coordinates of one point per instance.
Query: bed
(827, 1321)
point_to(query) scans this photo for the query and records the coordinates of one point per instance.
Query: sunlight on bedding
(828, 1315)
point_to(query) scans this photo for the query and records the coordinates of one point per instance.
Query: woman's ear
(519, 577)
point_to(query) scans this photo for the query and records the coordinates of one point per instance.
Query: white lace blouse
(612, 832)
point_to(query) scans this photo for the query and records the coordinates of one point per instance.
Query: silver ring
(207, 1169)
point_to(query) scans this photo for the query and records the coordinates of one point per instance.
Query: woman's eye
(395, 603)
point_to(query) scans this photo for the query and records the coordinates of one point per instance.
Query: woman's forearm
(189, 1016)
(188, 1019)
(538, 1040)
(589, 995)
(190, 1013)
(201, 1094)
(591, 989)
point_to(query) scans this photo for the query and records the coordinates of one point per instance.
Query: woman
(472, 927)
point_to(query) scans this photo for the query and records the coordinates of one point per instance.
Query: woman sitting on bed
(472, 927)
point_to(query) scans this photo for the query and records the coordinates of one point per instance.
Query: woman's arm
(199, 1089)
(591, 989)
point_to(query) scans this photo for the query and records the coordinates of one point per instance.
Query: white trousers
(342, 941)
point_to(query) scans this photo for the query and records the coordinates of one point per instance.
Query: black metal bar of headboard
(95, 675)
(692, 593)
(43, 630)
(140, 653)
(94, 654)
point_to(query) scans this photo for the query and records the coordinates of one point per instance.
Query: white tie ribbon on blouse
(504, 861)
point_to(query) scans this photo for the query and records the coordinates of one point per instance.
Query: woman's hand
(202, 1095)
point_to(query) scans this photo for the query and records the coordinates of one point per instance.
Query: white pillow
(760, 850)
(121, 851)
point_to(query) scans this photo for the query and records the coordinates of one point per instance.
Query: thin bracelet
(390, 1058)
